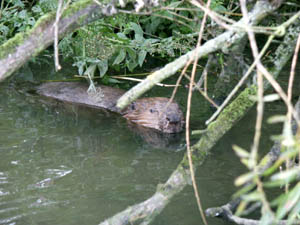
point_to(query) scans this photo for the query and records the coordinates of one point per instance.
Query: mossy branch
(16, 51)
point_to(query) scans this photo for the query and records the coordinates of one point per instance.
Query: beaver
(152, 112)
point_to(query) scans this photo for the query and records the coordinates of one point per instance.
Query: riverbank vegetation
(231, 52)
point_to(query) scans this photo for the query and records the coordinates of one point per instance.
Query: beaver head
(156, 113)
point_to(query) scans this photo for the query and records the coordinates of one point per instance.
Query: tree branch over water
(18, 50)
(223, 41)
(147, 210)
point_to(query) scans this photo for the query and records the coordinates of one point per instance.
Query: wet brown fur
(156, 113)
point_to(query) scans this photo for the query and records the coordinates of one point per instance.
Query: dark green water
(71, 166)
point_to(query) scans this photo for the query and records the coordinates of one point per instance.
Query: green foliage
(125, 41)
(287, 203)
(18, 16)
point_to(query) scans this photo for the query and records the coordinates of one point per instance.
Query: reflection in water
(157, 139)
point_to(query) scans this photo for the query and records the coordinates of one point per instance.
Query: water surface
(66, 165)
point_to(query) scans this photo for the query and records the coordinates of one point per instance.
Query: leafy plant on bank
(18, 16)
(125, 41)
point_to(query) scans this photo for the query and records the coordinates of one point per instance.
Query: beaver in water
(154, 112)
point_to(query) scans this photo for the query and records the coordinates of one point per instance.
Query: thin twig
(204, 73)
(289, 96)
(140, 80)
(189, 103)
(260, 109)
(56, 53)
(182, 17)
(1, 8)
(174, 20)
(213, 15)
(291, 80)
(203, 93)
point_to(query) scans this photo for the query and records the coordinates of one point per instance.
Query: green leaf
(140, 39)
(113, 81)
(252, 197)
(278, 200)
(152, 40)
(18, 3)
(131, 65)
(90, 70)
(103, 67)
(36, 9)
(283, 157)
(271, 97)
(132, 53)
(242, 153)
(241, 208)
(289, 203)
(294, 214)
(220, 8)
(137, 29)
(120, 57)
(23, 14)
(174, 4)
(287, 175)
(4, 29)
(283, 178)
(245, 189)
(80, 68)
(243, 179)
(141, 57)
(122, 37)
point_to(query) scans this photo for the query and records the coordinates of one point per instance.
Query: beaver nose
(173, 118)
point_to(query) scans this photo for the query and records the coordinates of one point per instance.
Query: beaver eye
(132, 106)
(151, 110)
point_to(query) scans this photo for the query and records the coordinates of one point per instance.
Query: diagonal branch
(225, 40)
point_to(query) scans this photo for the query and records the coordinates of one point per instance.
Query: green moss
(239, 106)
(197, 158)
(230, 115)
(10, 46)
(76, 7)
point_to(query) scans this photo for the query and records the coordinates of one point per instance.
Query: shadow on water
(64, 164)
